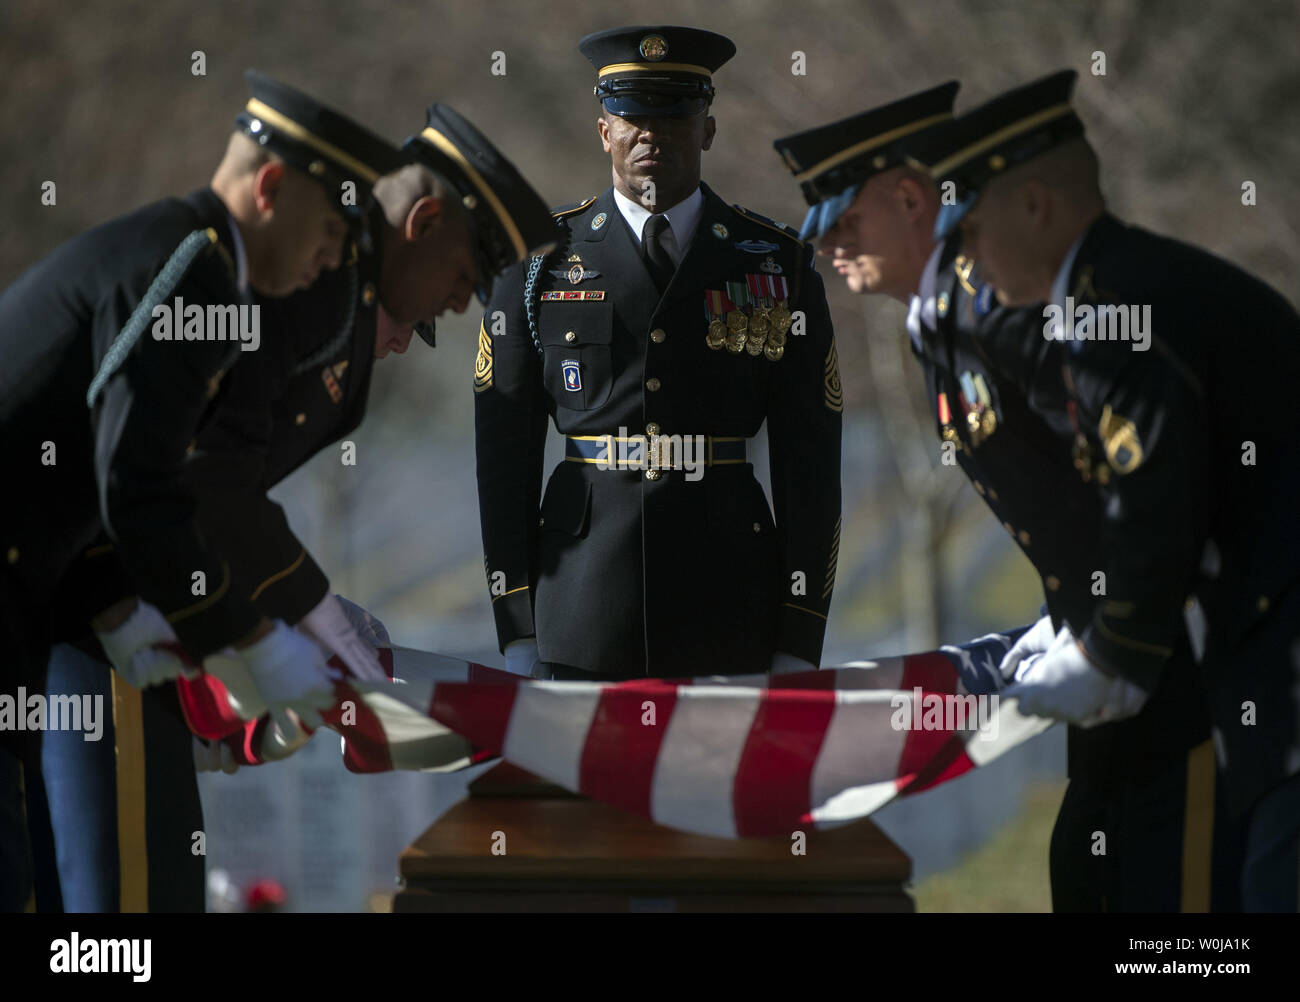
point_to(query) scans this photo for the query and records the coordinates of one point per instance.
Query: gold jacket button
(1053, 583)
(300, 419)
(12, 555)
(368, 293)
(652, 474)
(541, 522)
(652, 429)
(652, 384)
(570, 336)
(1262, 604)
(189, 449)
(757, 528)
(657, 335)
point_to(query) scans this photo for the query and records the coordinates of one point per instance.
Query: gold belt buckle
(661, 453)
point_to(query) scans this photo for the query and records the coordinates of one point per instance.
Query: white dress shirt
(682, 220)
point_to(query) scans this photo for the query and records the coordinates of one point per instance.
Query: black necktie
(657, 260)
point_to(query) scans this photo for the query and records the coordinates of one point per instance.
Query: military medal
(970, 407)
(771, 318)
(781, 320)
(717, 305)
(987, 413)
(949, 433)
(737, 321)
(759, 326)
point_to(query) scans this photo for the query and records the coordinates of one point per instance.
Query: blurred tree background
(1196, 99)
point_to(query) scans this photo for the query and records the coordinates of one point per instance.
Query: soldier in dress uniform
(1184, 436)
(1146, 782)
(440, 230)
(659, 336)
(97, 408)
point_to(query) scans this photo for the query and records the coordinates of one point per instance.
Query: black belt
(657, 452)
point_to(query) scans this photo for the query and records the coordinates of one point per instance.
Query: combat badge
(757, 246)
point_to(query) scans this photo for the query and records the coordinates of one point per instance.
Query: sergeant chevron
(179, 321)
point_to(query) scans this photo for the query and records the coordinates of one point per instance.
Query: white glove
(523, 659)
(328, 625)
(209, 756)
(283, 736)
(1064, 685)
(788, 664)
(241, 691)
(130, 648)
(290, 673)
(367, 625)
(1035, 640)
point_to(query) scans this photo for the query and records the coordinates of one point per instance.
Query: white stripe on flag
(699, 756)
(1011, 728)
(857, 766)
(548, 728)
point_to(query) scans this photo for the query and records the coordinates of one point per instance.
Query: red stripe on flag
(477, 711)
(950, 762)
(773, 777)
(933, 673)
(621, 752)
(365, 744)
(207, 710)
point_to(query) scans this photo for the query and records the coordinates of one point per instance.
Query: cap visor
(652, 106)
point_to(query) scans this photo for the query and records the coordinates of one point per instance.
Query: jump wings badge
(576, 274)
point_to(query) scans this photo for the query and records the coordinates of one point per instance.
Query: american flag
(727, 756)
